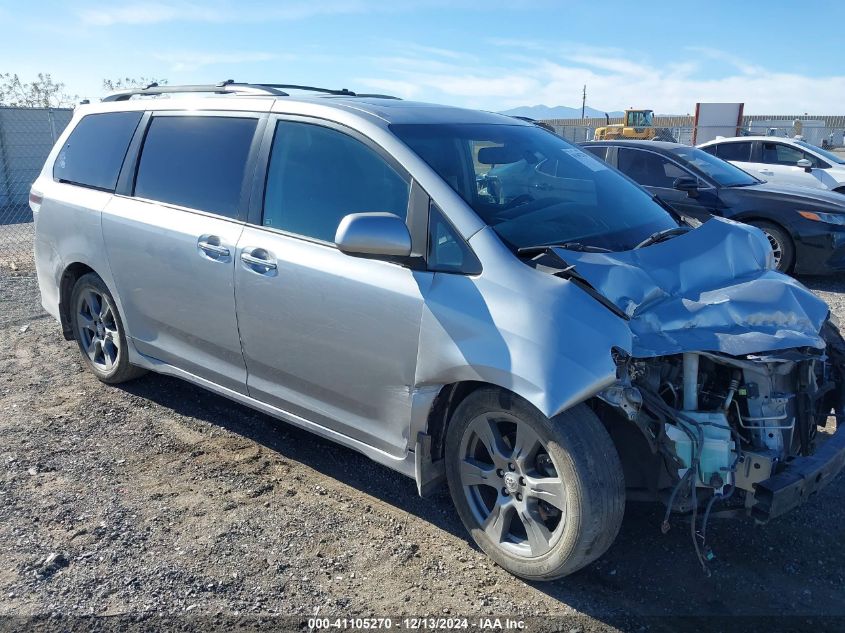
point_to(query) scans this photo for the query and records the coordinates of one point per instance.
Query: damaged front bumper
(731, 369)
(799, 479)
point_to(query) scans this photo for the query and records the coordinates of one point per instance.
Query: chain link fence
(824, 132)
(26, 137)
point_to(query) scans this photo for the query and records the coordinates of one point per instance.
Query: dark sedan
(806, 227)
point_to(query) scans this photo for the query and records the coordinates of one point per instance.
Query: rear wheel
(541, 497)
(781, 243)
(98, 330)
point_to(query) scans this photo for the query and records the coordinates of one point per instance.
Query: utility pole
(583, 101)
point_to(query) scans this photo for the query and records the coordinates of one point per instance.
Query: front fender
(532, 333)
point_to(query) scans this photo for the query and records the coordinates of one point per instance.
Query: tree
(128, 82)
(41, 93)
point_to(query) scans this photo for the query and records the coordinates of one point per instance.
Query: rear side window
(196, 162)
(734, 151)
(318, 175)
(93, 153)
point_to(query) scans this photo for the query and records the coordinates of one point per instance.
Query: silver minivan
(365, 268)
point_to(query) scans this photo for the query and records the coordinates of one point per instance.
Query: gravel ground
(16, 243)
(159, 498)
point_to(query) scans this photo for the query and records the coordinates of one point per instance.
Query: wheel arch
(431, 445)
(70, 276)
(761, 216)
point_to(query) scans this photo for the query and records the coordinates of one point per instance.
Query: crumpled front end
(732, 370)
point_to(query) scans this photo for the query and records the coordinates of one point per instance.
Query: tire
(781, 244)
(99, 332)
(548, 498)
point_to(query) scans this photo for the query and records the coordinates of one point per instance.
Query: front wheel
(542, 497)
(99, 332)
(780, 242)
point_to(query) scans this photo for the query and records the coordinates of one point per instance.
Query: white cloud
(135, 13)
(614, 80)
(143, 13)
(723, 56)
(612, 64)
(139, 12)
(180, 61)
(403, 89)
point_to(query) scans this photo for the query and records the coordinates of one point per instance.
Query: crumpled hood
(710, 289)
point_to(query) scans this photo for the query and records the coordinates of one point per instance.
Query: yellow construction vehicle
(638, 124)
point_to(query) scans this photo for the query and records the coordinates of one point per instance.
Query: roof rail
(328, 91)
(224, 87)
(343, 92)
(231, 87)
(377, 96)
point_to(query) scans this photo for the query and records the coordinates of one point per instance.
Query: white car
(783, 161)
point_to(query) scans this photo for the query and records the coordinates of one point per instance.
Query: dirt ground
(157, 498)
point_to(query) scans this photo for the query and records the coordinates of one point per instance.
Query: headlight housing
(827, 218)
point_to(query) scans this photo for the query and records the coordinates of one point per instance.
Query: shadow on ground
(792, 567)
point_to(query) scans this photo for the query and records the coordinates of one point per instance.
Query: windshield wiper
(665, 234)
(568, 246)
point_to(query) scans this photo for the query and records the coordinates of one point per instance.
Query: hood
(822, 198)
(711, 289)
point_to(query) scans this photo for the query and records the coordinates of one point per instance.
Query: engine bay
(720, 427)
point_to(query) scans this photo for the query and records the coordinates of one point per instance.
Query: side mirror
(805, 164)
(377, 235)
(688, 184)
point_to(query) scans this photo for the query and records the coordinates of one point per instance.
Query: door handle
(210, 245)
(258, 258)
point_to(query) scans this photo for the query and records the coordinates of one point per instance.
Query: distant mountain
(557, 112)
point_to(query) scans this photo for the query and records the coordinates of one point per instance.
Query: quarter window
(447, 251)
(318, 175)
(93, 153)
(196, 162)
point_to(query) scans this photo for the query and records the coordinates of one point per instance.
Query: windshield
(723, 172)
(533, 188)
(833, 158)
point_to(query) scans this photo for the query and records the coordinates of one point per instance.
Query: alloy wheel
(777, 248)
(97, 329)
(512, 486)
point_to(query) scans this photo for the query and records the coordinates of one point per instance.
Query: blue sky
(777, 57)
